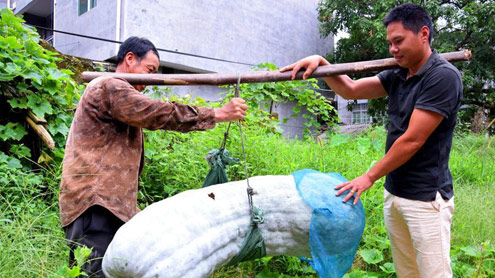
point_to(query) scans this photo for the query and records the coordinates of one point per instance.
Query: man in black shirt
(424, 98)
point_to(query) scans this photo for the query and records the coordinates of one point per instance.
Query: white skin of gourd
(190, 235)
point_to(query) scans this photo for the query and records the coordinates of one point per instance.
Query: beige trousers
(419, 235)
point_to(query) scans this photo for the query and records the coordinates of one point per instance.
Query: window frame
(90, 4)
(360, 114)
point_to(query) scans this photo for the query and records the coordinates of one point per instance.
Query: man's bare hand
(234, 110)
(309, 63)
(356, 186)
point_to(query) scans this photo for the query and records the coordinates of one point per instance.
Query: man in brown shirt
(104, 154)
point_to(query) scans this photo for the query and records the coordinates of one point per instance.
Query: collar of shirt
(403, 72)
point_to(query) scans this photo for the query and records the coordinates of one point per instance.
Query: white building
(357, 115)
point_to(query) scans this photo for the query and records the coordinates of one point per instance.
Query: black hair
(138, 46)
(412, 16)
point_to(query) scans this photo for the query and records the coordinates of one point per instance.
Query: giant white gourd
(195, 232)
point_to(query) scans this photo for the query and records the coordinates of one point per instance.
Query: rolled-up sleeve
(131, 107)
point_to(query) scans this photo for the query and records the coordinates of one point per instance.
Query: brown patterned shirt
(104, 154)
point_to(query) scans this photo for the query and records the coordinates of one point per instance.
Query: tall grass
(31, 239)
(473, 168)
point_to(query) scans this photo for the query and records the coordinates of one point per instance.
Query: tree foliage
(458, 24)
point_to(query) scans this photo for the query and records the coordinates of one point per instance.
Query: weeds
(32, 243)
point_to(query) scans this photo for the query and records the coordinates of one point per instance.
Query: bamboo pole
(37, 120)
(42, 133)
(262, 76)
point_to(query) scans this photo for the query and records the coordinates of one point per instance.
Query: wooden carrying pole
(262, 76)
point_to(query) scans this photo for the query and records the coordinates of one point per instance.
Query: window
(360, 114)
(86, 5)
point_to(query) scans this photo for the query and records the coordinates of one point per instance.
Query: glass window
(83, 6)
(360, 113)
(86, 5)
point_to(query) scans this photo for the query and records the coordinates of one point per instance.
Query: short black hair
(138, 46)
(412, 16)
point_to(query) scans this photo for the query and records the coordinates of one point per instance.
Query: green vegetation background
(31, 238)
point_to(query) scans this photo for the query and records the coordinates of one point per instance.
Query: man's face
(406, 46)
(148, 64)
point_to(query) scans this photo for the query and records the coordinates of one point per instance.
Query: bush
(30, 82)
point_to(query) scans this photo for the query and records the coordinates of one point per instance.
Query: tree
(458, 24)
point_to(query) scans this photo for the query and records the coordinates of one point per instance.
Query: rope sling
(253, 245)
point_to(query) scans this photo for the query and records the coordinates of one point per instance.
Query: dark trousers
(95, 229)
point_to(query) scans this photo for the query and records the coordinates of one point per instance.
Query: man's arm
(131, 107)
(343, 85)
(421, 126)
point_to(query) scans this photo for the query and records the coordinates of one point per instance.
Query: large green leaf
(388, 268)
(363, 145)
(51, 86)
(13, 131)
(57, 74)
(33, 75)
(13, 42)
(40, 106)
(339, 139)
(371, 256)
(20, 150)
(20, 102)
(13, 163)
(58, 126)
(11, 68)
(7, 76)
(472, 251)
(33, 48)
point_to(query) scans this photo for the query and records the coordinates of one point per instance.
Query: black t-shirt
(436, 87)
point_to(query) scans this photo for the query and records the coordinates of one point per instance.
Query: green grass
(32, 242)
(474, 214)
(473, 168)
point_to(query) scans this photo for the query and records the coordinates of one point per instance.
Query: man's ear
(129, 58)
(425, 33)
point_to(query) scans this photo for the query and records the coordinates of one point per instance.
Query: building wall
(246, 31)
(97, 22)
(252, 32)
(20, 4)
(3, 4)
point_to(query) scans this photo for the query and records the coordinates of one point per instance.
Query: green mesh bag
(218, 161)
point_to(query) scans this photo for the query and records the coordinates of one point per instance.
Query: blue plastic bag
(336, 227)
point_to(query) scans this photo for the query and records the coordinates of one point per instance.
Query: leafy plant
(30, 81)
(371, 256)
(81, 255)
(316, 109)
(474, 261)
